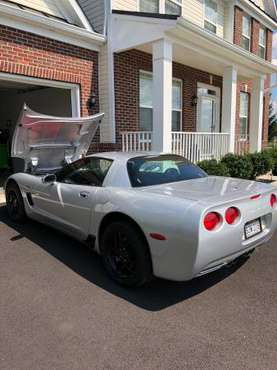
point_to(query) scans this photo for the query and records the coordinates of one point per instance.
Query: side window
(88, 171)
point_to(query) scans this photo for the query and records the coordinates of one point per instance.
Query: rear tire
(125, 254)
(15, 203)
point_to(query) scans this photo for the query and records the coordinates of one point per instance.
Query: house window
(173, 7)
(176, 105)
(262, 40)
(210, 21)
(149, 6)
(246, 33)
(146, 103)
(244, 115)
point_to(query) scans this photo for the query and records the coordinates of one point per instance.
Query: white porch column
(162, 95)
(256, 115)
(229, 104)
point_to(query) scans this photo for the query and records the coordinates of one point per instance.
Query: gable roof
(270, 10)
(67, 11)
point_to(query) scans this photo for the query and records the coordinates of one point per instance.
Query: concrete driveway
(58, 310)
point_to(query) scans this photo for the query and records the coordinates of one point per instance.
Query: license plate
(253, 228)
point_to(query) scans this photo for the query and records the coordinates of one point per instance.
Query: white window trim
(141, 71)
(181, 109)
(208, 20)
(263, 45)
(250, 31)
(162, 5)
(75, 89)
(247, 117)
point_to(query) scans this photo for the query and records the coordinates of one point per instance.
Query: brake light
(273, 200)
(232, 215)
(212, 220)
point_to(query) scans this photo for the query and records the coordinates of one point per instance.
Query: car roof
(124, 156)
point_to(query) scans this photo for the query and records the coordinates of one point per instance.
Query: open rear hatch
(43, 144)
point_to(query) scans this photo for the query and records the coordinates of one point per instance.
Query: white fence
(198, 146)
(138, 141)
(195, 146)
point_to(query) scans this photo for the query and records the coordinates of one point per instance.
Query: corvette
(145, 213)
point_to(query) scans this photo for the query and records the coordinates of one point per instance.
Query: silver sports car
(145, 213)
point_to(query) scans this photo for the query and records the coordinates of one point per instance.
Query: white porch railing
(195, 146)
(136, 141)
(198, 146)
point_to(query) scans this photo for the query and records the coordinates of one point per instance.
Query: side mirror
(49, 179)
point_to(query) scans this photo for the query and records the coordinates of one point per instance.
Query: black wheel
(125, 254)
(15, 204)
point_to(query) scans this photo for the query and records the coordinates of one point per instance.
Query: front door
(208, 109)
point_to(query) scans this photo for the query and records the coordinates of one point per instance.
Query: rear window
(162, 169)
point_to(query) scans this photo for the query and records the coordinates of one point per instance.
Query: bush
(214, 168)
(272, 152)
(262, 163)
(238, 166)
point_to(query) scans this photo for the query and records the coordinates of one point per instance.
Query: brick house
(190, 76)
(48, 59)
(187, 76)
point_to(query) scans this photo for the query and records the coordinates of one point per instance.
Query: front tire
(125, 254)
(15, 203)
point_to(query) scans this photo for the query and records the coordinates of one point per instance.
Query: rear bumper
(219, 263)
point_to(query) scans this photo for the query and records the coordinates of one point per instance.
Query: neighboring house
(48, 59)
(190, 76)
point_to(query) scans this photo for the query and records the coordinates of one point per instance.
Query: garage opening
(43, 99)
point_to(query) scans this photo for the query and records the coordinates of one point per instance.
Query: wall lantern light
(92, 101)
(194, 101)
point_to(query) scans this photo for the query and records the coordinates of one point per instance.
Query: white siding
(131, 5)
(193, 10)
(95, 12)
(48, 6)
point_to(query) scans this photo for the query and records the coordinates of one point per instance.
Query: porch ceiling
(192, 59)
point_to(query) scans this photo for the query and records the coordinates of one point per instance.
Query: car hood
(45, 143)
(210, 189)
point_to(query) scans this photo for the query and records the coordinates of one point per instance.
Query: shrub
(262, 163)
(214, 168)
(272, 152)
(238, 165)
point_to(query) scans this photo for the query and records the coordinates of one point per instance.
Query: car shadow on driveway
(155, 296)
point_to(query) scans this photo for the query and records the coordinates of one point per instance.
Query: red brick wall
(30, 55)
(127, 67)
(238, 25)
(255, 29)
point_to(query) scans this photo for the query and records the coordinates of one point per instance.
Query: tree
(272, 121)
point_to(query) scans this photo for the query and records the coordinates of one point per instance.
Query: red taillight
(232, 215)
(212, 220)
(273, 200)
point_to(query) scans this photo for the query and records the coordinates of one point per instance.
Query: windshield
(162, 169)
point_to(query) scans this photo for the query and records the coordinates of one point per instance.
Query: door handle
(84, 194)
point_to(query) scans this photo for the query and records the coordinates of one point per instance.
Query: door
(207, 114)
(68, 203)
(208, 108)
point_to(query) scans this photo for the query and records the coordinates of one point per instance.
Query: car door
(68, 203)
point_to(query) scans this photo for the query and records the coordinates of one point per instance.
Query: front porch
(195, 146)
(212, 72)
